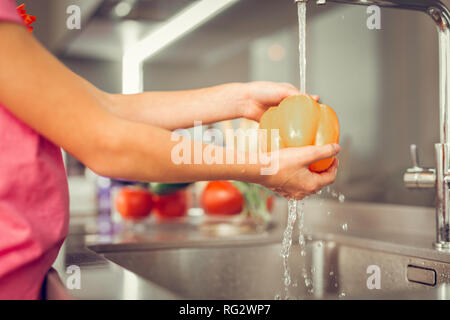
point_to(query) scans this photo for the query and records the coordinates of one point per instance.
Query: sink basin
(338, 264)
(330, 269)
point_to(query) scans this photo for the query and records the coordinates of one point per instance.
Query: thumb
(272, 93)
(315, 153)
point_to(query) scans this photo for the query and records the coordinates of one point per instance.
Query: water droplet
(341, 198)
(307, 282)
(344, 227)
(331, 273)
(342, 294)
(303, 253)
(319, 244)
(287, 281)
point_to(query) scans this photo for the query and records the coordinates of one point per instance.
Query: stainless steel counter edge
(102, 279)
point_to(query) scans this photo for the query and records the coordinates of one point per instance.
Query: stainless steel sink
(255, 271)
(396, 240)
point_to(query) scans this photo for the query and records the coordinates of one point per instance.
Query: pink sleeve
(8, 11)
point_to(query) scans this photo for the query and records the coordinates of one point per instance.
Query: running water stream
(302, 44)
(295, 208)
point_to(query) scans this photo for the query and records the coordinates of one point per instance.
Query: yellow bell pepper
(301, 121)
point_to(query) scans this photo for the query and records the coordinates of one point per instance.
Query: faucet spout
(435, 8)
(417, 177)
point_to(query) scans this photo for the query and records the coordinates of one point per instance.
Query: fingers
(297, 180)
(285, 90)
(319, 180)
(304, 182)
(315, 153)
(316, 98)
(289, 89)
(293, 90)
(272, 93)
(327, 177)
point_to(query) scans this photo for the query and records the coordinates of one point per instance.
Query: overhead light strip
(175, 28)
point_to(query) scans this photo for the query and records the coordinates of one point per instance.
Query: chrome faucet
(416, 176)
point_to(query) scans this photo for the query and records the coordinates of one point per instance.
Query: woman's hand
(293, 178)
(257, 97)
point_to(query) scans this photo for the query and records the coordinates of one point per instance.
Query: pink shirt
(34, 200)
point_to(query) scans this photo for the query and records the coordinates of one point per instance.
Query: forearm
(179, 109)
(145, 153)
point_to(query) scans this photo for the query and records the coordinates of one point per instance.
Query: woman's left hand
(208, 105)
(260, 96)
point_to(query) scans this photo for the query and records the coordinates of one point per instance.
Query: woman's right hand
(293, 178)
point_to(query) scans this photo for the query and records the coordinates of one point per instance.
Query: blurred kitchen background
(383, 84)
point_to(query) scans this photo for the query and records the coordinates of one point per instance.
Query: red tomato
(134, 203)
(222, 198)
(269, 203)
(171, 205)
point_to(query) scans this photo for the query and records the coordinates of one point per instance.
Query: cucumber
(165, 188)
